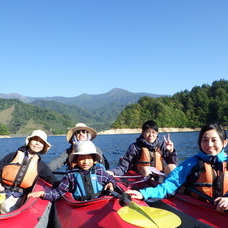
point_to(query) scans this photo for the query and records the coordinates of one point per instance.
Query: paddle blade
(158, 217)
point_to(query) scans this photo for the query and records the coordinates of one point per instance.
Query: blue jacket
(178, 177)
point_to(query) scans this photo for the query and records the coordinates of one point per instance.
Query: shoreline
(128, 131)
(139, 130)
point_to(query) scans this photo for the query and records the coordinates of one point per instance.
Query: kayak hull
(100, 212)
(193, 212)
(33, 213)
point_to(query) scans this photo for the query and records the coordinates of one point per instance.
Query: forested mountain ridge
(120, 109)
(98, 111)
(184, 109)
(19, 118)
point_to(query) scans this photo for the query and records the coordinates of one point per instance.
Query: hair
(150, 124)
(212, 126)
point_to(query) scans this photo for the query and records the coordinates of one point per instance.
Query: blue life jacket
(87, 186)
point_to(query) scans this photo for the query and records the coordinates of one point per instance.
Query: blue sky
(66, 48)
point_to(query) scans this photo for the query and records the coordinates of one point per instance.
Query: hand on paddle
(36, 194)
(168, 143)
(134, 194)
(221, 204)
(2, 189)
(109, 187)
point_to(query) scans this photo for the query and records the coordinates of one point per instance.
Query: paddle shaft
(210, 199)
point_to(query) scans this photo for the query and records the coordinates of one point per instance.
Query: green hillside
(184, 109)
(18, 118)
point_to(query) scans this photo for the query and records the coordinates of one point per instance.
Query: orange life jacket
(209, 179)
(20, 172)
(146, 157)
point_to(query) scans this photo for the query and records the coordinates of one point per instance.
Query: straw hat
(80, 126)
(84, 148)
(43, 136)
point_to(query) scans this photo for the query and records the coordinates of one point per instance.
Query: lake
(113, 146)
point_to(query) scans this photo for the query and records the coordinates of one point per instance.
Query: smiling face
(85, 162)
(150, 135)
(211, 142)
(81, 135)
(36, 145)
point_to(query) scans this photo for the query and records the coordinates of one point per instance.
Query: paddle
(143, 216)
(210, 199)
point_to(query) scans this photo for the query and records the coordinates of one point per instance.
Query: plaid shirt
(68, 182)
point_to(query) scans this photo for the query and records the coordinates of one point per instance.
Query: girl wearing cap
(19, 170)
(86, 180)
(205, 173)
(80, 132)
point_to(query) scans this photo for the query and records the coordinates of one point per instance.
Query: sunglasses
(81, 131)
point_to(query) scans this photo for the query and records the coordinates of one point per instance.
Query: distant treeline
(184, 109)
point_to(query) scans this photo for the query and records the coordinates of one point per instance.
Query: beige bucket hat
(80, 126)
(41, 134)
(84, 148)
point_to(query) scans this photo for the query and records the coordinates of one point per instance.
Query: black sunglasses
(83, 131)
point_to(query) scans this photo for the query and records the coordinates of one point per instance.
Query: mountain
(98, 111)
(20, 118)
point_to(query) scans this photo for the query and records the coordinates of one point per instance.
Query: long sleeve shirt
(68, 183)
(178, 177)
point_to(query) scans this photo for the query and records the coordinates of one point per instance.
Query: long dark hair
(216, 126)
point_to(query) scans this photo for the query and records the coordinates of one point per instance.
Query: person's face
(85, 162)
(81, 135)
(36, 145)
(211, 143)
(150, 135)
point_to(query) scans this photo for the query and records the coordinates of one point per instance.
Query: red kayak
(33, 213)
(193, 212)
(100, 212)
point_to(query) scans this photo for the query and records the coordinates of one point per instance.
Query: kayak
(193, 212)
(33, 213)
(106, 211)
(99, 212)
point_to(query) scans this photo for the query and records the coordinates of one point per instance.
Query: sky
(70, 47)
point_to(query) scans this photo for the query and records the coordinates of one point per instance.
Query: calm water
(113, 146)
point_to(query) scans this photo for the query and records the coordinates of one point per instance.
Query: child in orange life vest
(148, 150)
(86, 180)
(212, 182)
(19, 170)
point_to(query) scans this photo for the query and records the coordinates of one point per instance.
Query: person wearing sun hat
(80, 132)
(15, 182)
(87, 167)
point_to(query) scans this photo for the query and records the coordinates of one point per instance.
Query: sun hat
(84, 148)
(80, 126)
(41, 134)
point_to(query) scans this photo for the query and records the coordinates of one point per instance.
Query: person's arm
(169, 157)
(58, 162)
(104, 161)
(46, 174)
(171, 184)
(66, 185)
(125, 162)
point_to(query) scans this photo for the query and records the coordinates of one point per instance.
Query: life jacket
(146, 157)
(211, 182)
(87, 186)
(21, 172)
